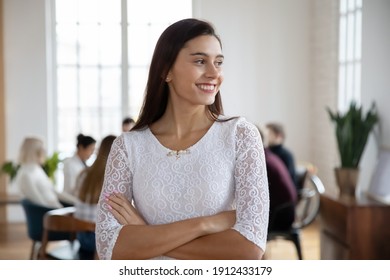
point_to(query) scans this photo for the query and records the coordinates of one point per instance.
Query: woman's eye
(219, 63)
(199, 61)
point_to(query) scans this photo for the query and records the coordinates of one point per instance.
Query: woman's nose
(212, 71)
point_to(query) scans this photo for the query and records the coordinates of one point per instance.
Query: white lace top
(224, 170)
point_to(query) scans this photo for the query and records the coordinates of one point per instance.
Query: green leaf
(352, 130)
(10, 168)
(51, 164)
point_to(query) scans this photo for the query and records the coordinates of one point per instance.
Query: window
(102, 53)
(350, 41)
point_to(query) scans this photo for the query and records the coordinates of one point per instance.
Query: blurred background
(80, 66)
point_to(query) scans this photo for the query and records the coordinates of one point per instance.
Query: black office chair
(306, 210)
(34, 217)
(291, 234)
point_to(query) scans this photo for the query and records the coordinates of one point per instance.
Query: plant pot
(346, 179)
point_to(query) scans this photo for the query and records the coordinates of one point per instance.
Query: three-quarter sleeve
(117, 178)
(251, 183)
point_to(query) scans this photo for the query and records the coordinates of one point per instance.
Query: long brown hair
(168, 46)
(92, 183)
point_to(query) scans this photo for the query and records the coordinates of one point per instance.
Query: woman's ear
(168, 77)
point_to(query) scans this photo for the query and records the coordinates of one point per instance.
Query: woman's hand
(123, 210)
(220, 222)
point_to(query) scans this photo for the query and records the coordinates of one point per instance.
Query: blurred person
(127, 124)
(282, 191)
(85, 147)
(31, 179)
(276, 139)
(88, 187)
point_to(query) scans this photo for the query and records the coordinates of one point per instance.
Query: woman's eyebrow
(205, 54)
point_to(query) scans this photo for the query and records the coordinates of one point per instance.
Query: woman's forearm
(225, 245)
(148, 241)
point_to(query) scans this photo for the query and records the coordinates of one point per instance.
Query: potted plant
(352, 129)
(49, 166)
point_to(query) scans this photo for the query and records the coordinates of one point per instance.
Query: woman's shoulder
(30, 168)
(31, 173)
(71, 159)
(236, 123)
(132, 134)
(130, 138)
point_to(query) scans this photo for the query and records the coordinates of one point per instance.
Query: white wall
(376, 79)
(25, 72)
(324, 87)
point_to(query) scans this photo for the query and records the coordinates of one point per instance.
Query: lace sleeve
(117, 178)
(252, 195)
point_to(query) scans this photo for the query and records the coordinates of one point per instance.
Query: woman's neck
(178, 129)
(180, 122)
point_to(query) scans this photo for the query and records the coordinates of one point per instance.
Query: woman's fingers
(121, 204)
(123, 210)
(118, 216)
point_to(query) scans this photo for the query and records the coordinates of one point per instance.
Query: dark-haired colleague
(74, 165)
(282, 191)
(276, 138)
(196, 179)
(88, 187)
(127, 124)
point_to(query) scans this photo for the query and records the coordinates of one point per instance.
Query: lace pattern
(224, 170)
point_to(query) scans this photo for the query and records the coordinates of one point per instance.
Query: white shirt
(84, 211)
(72, 168)
(36, 186)
(224, 170)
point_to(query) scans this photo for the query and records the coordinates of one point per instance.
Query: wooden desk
(354, 229)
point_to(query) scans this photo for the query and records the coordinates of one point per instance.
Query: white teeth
(207, 87)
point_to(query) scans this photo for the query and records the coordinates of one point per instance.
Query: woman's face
(41, 156)
(196, 75)
(86, 153)
(273, 138)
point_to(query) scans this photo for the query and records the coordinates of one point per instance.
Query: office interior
(281, 64)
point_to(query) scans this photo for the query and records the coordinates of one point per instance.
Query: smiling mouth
(206, 87)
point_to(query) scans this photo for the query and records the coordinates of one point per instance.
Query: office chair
(34, 217)
(306, 209)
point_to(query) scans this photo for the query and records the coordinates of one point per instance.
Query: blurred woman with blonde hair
(31, 179)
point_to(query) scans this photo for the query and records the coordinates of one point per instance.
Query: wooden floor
(15, 244)
(285, 250)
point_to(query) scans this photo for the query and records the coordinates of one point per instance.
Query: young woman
(186, 182)
(88, 187)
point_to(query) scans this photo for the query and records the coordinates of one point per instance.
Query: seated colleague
(127, 124)
(31, 179)
(276, 137)
(88, 187)
(75, 164)
(281, 190)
